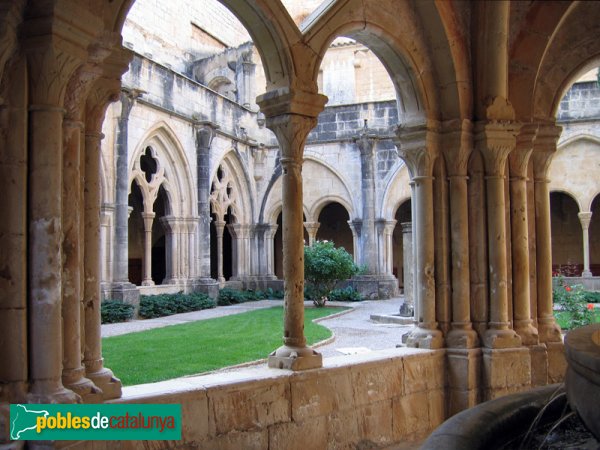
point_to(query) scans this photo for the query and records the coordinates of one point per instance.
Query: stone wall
(582, 101)
(362, 401)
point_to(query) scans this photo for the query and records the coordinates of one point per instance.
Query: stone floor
(354, 331)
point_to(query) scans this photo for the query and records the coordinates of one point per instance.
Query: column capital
(544, 148)
(585, 219)
(389, 225)
(366, 141)
(312, 226)
(291, 131)
(518, 159)
(418, 146)
(355, 226)
(457, 138)
(495, 139)
(290, 101)
(406, 227)
(205, 133)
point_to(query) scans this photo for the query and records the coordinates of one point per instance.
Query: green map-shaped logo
(24, 418)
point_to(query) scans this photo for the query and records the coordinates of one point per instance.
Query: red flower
(568, 288)
(590, 306)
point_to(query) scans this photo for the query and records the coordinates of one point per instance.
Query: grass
(192, 348)
(562, 318)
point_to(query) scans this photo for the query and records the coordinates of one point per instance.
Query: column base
(295, 358)
(148, 283)
(586, 274)
(505, 371)
(206, 285)
(501, 338)
(462, 338)
(464, 375)
(107, 382)
(51, 392)
(421, 337)
(527, 332)
(549, 330)
(82, 386)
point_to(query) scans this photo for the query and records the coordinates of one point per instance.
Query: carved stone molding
(544, 148)
(518, 159)
(495, 140)
(457, 145)
(418, 146)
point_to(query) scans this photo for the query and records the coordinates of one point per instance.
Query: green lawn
(197, 347)
(562, 318)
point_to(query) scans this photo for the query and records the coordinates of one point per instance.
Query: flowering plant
(572, 300)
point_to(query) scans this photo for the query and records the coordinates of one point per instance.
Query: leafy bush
(347, 294)
(572, 300)
(152, 306)
(113, 311)
(592, 296)
(228, 296)
(324, 266)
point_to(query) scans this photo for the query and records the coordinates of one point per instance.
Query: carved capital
(291, 131)
(205, 133)
(518, 160)
(544, 148)
(418, 146)
(366, 141)
(11, 15)
(585, 218)
(286, 100)
(495, 140)
(457, 144)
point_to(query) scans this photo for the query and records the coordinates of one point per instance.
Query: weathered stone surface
(342, 430)
(249, 406)
(375, 423)
(424, 372)
(316, 394)
(375, 382)
(505, 371)
(464, 368)
(299, 435)
(557, 363)
(416, 414)
(539, 365)
(251, 440)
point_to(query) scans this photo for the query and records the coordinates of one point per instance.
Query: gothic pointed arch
(230, 189)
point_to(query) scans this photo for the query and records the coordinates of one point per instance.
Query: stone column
(388, 232)
(269, 244)
(204, 133)
(458, 140)
(585, 219)
(220, 228)
(103, 92)
(418, 147)
(173, 227)
(366, 143)
(50, 68)
(356, 228)
(106, 215)
(496, 140)
(148, 221)
(237, 232)
(291, 115)
(122, 289)
(544, 148)
(311, 229)
(518, 162)
(413, 219)
(72, 289)
(408, 307)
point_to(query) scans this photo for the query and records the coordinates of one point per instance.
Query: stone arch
(173, 171)
(322, 202)
(405, 55)
(333, 229)
(573, 156)
(397, 190)
(241, 190)
(567, 243)
(272, 30)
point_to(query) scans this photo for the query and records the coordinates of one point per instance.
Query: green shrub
(271, 293)
(229, 296)
(347, 294)
(112, 311)
(572, 300)
(324, 266)
(592, 296)
(152, 306)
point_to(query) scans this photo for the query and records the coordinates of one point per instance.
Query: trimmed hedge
(152, 306)
(229, 296)
(113, 311)
(347, 294)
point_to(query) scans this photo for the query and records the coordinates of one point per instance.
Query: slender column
(104, 91)
(148, 221)
(311, 229)
(356, 228)
(366, 143)
(50, 68)
(441, 234)
(458, 139)
(220, 228)
(269, 245)
(585, 219)
(388, 232)
(413, 219)
(236, 231)
(418, 147)
(496, 140)
(106, 215)
(518, 163)
(407, 268)
(204, 133)
(544, 148)
(73, 370)
(291, 115)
